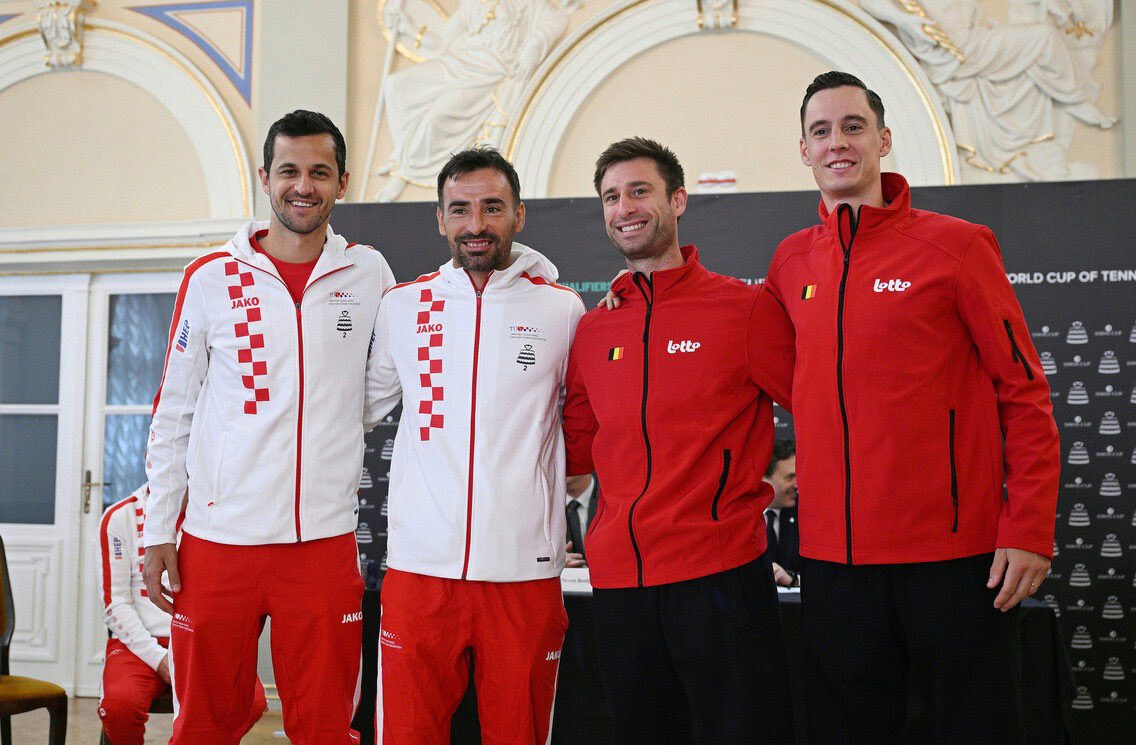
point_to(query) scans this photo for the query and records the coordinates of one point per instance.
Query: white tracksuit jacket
(127, 610)
(260, 409)
(477, 478)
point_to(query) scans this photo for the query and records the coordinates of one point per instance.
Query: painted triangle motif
(222, 29)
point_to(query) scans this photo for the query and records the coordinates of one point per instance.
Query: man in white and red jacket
(670, 401)
(137, 658)
(917, 394)
(260, 417)
(476, 352)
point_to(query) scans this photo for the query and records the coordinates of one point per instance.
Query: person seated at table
(781, 514)
(137, 666)
(583, 498)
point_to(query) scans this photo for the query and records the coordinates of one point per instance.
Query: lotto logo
(892, 285)
(682, 346)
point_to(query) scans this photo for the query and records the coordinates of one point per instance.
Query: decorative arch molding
(836, 31)
(155, 67)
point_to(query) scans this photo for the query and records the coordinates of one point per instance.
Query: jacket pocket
(1015, 352)
(599, 512)
(721, 484)
(954, 476)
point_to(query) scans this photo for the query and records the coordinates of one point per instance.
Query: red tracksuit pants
(432, 629)
(129, 685)
(313, 593)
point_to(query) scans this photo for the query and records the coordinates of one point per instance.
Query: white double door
(80, 361)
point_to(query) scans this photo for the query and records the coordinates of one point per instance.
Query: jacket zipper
(1015, 352)
(299, 411)
(650, 298)
(472, 425)
(721, 483)
(954, 477)
(300, 372)
(852, 225)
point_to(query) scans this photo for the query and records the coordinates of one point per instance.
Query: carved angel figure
(462, 94)
(1013, 90)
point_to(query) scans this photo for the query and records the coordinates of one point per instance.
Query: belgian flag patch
(615, 353)
(808, 292)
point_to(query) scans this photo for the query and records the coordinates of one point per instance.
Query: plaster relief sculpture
(1014, 90)
(477, 62)
(60, 28)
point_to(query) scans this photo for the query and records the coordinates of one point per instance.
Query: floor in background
(83, 727)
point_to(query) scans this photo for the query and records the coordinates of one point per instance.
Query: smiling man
(669, 402)
(476, 352)
(917, 395)
(259, 416)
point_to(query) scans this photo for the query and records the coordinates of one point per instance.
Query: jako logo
(352, 617)
(682, 346)
(892, 285)
(552, 656)
(429, 328)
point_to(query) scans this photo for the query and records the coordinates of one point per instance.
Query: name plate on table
(576, 581)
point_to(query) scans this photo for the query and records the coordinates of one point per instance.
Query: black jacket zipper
(1016, 353)
(643, 282)
(853, 222)
(721, 483)
(954, 477)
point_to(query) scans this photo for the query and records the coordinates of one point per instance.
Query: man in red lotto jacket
(669, 401)
(917, 394)
(259, 417)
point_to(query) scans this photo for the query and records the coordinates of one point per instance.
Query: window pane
(29, 338)
(136, 346)
(27, 469)
(124, 455)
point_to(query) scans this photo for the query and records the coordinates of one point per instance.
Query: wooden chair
(163, 704)
(19, 694)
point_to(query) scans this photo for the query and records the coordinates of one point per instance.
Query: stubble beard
(280, 207)
(493, 260)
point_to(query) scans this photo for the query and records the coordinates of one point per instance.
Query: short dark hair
(474, 159)
(301, 123)
(782, 450)
(640, 147)
(837, 79)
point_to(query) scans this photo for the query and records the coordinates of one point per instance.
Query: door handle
(87, 485)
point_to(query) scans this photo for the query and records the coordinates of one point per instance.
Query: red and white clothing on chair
(139, 631)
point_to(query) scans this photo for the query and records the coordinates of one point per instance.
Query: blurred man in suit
(583, 498)
(781, 514)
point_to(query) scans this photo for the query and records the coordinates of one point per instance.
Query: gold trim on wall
(242, 165)
(218, 108)
(946, 147)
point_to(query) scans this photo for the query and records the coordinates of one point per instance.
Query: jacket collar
(333, 256)
(666, 280)
(526, 265)
(897, 195)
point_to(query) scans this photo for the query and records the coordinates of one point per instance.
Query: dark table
(581, 714)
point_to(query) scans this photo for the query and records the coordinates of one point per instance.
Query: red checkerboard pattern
(254, 372)
(431, 365)
(139, 519)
